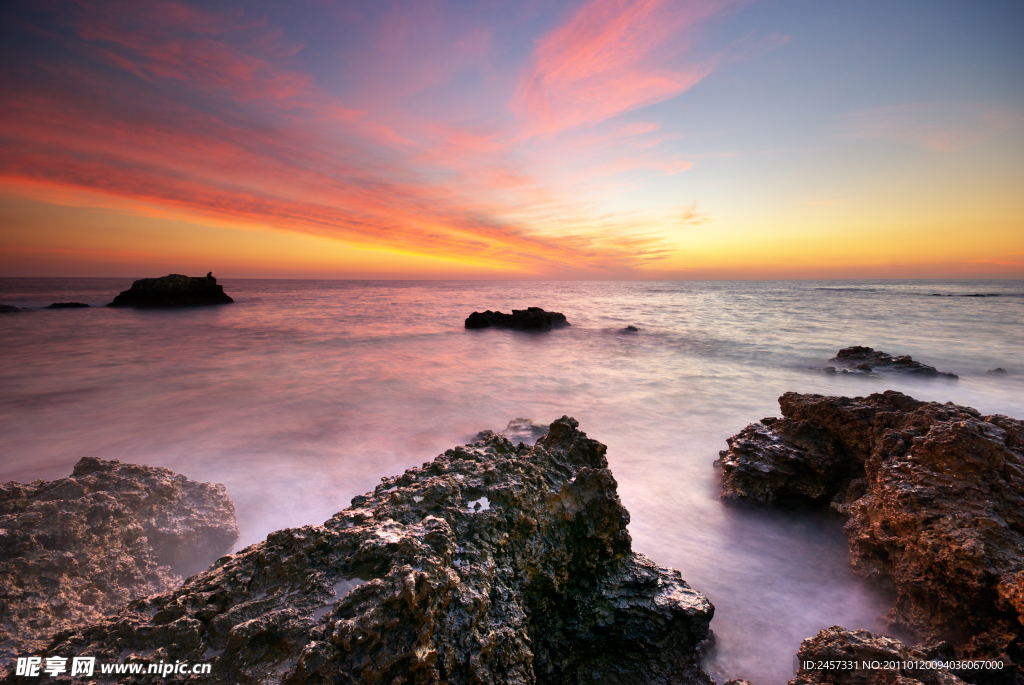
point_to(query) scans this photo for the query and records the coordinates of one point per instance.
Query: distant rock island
(866, 361)
(933, 495)
(530, 319)
(76, 550)
(173, 290)
(9, 309)
(66, 305)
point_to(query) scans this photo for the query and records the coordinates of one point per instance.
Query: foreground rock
(174, 290)
(66, 305)
(837, 656)
(935, 499)
(75, 550)
(865, 361)
(530, 319)
(493, 563)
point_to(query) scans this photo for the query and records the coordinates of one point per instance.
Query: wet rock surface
(530, 319)
(841, 647)
(173, 290)
(417, 582)
(934, 495)
(75, 550)
(866, 361)
(66, 305)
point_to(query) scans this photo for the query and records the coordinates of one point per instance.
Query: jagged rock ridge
(75, 550)
(493, 563)
(173, 290)
(934, 495)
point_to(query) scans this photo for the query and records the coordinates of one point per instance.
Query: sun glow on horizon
(613, 139)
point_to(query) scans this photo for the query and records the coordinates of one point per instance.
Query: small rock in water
(530, 319)
(8, 309)
(631, 329)
(174, 290)
(66, 305)
(998, 371)
(865, 361)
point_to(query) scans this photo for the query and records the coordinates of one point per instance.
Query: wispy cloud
(610, 57)
(933, 126)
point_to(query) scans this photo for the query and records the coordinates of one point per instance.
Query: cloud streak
(610, 57)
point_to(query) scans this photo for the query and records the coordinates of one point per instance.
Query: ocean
(305, 393)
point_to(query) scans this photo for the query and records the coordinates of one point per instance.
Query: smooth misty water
(305, 393)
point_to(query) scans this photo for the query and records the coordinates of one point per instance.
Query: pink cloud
(611, 56)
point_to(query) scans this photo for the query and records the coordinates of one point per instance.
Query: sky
(596, 139)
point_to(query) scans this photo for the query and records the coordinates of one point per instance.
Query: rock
(8, 309)
(630, 329)
(866, 361)
(897, 664)
(66, 305)
(934, 495)
(998, 371)
(174, 290)
(75, 550)
(530, 319)
(493, 563)
(528, 431)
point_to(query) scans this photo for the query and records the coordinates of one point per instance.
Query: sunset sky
(602, 139)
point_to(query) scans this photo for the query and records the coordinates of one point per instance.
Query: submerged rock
(174, 290)
(998, 371)
(865, 361)
(837, 656)
(530, 319)
(934, 495)
(66, 305)
(493, 563)
(75, 550)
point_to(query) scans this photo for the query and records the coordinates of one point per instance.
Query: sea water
(303, 394)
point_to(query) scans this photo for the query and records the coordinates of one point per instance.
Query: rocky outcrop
(66, 305)
(75, 550)
(530, 319)
(174, 290)
(837, 656)
(998, 371)
(934, 495)
(493, 563)
(9, 309)
(865, 361)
